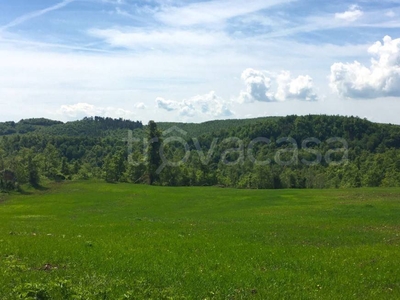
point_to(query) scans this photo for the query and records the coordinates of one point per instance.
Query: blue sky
(195, 61)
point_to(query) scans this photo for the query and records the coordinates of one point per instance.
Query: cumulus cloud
(300, 88)
(381, 79)
(208, 104)
(259, 87)
(168, 105)
(350, 15)
(81, 110)
(140, 105)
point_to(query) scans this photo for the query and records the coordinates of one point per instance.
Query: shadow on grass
(23, 192)
(36, 187)
(40, 188)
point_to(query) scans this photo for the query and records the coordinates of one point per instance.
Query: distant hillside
(108, 127)
(198, 129)
(361, 132)
(26, 126)
(93, 127)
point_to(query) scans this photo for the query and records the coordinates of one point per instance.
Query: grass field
(91, 240)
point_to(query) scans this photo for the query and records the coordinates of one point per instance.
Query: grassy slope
(115, 240)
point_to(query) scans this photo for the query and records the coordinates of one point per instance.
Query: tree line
(372, 154)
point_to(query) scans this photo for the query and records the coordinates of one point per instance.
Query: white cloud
(81, 110)
(350, 15)
(133, 38)
(140, 105)
(300, 88)
(208, 104)
(381, 79)
(258, 87)
(168, 105)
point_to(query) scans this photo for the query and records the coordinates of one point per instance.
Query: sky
(194, 61)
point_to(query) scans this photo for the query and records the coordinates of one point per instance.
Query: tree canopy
(279, 152)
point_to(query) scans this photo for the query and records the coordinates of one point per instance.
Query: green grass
(91, 240)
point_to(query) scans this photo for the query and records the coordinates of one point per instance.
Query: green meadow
(92, 240)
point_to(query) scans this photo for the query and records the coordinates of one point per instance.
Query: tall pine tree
(153, 155)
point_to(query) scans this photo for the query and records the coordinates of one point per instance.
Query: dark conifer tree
(153, 155)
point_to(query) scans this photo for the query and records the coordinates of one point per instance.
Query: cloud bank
(208, 104)
(259, 87)
(380, 79)
(81, 110)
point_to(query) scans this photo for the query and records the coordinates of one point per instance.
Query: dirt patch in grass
(48, 267)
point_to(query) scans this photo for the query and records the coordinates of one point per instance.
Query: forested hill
(26, 125)
(117, 128)
(93, 126)
(361, 132)
(294, 151)
(198, 129)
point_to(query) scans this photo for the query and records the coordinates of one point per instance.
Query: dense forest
(93, 126)
(314, 151)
